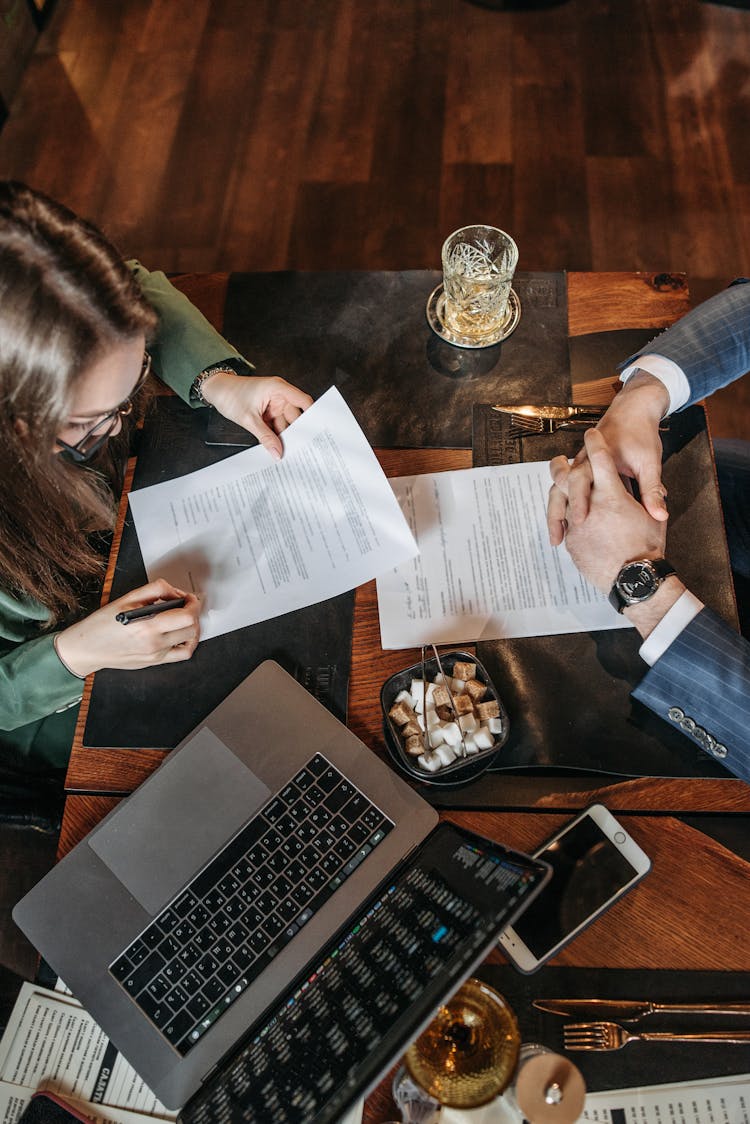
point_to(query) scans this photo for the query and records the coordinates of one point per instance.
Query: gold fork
(612, 1036)
(521, 425)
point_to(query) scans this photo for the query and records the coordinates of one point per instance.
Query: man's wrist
(669, 373)
(647, 614)
(653, 395)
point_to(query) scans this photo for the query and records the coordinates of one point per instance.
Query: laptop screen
(343, 1022)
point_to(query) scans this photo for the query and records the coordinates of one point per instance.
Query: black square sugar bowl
(458, 713)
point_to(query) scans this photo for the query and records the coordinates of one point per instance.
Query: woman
(80, 332)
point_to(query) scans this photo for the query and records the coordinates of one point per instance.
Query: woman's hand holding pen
(100, 640)
(265, 406)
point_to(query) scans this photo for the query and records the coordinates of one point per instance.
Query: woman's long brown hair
(66, 297)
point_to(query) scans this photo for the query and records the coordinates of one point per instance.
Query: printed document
(15, 1098)
(485, 568)
(255, 538)
(52, 1043)
(714, 1100)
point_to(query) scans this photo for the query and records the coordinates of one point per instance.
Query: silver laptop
(199, 922)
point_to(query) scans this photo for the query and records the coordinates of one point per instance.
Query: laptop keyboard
(223, 929)
(298, 1059)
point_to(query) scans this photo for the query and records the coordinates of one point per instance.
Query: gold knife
(554, 413)
(633, 1009)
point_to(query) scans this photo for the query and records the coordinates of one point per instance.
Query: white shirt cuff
(677, 618)
(667, 372)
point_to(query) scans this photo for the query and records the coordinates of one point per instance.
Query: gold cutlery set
(528, 420)
(602, 1034)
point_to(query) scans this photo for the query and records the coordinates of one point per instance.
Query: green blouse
(38, 697)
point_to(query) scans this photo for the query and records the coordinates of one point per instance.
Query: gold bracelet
(62, 661)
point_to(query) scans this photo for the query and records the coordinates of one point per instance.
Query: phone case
(48, 1108)
(590, 920)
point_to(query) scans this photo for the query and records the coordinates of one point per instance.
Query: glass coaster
(435, 318)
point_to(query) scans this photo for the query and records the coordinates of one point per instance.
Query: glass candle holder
(468, 1054)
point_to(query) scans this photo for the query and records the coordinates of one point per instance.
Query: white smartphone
(594, 862)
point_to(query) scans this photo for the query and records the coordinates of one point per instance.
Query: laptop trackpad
(178, 819)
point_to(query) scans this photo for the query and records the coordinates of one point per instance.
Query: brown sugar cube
(444, 712)
(463, 704)
(441, 696)
(464, 671)
(414, 746)
(411, 729)
(401, 713)
(475, 690)
(487, 710)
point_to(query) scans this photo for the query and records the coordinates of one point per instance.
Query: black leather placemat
(568, 697)
(595, 355)
(157, 706)
(638, 1063)
(367, 334)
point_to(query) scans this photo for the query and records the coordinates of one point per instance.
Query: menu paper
(14, 1099)
(715, 1100)
(256, 538)
(50, 1042)
(485, 568)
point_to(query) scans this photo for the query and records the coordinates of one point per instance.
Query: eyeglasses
(92, 441)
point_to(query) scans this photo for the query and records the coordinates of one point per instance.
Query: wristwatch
(638, 580)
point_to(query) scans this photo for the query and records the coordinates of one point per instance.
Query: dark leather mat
(367, 334)
(597, 354)
(638, 1063)
(157, 706)
(568, 697)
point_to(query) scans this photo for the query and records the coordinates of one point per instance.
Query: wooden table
(596, 302)
(693, 910)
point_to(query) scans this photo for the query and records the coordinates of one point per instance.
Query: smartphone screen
(47, 1108)
(593, 862)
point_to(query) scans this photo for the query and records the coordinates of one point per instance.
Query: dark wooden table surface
(596, 302)
(692, 911)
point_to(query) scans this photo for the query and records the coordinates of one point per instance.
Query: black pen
(150, 610)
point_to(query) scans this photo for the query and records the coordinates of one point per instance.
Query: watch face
(637, 581)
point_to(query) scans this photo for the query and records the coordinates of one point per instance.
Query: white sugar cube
(435, 737)
(431, 719)
(495, 725)
(451, 733)
(429, 761)
(457, 686)
(446, 754)
(483, 739)
(404, 697)
(471, 745)
(417, 695)
(439, 678)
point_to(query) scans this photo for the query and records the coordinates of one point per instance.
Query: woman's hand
(264, 406)
(100, 640)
